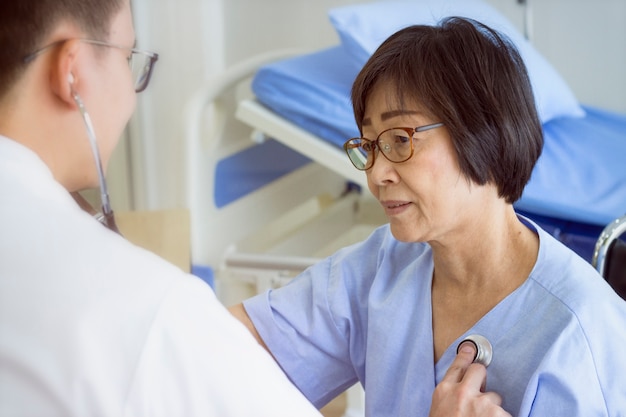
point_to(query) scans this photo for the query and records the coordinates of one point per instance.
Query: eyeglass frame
(375, 143)
(152, 56)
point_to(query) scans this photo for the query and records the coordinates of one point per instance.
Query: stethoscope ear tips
(484, 351)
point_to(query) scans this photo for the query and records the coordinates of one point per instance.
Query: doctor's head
(53, 52)
(28, 24)
(467, 77)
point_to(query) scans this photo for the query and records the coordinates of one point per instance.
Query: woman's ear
(65, 79)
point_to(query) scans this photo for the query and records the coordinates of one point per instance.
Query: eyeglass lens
(396, 145)
(141, 66)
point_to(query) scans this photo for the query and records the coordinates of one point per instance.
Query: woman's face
(427, 197)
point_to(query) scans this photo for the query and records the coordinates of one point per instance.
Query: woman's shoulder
(560, 270)
(380, 258)
(574, 286)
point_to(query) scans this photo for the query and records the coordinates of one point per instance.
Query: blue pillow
(363, 27)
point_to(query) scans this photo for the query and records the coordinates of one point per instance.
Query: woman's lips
(395, 207)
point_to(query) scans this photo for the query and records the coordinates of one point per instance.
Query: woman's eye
(401, 139)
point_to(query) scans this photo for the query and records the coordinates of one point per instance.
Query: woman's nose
(383, 171)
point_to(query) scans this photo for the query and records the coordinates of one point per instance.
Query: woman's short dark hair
(25, 24)
(471, 78)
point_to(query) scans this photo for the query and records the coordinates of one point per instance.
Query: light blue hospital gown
(559, 340)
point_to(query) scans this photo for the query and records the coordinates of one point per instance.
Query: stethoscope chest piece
(484, 351)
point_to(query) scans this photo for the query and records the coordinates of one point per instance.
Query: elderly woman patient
(450, 136)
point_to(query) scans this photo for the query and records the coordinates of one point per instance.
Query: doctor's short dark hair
(471, 78)
(25, 25)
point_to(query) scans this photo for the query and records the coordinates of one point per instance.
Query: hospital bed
(270, 190)
(577, 187)
(255, 201)
(609, 256)
(579, 183)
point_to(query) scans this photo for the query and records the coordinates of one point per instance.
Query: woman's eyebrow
(389, 114)
(395, 113)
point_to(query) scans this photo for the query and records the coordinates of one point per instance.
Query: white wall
(584, 39)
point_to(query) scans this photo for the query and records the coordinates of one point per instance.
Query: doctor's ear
(64, 80)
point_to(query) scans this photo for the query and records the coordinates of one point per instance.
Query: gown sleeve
(316, 325)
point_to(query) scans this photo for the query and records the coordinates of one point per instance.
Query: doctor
(91, 325)
(450, 136)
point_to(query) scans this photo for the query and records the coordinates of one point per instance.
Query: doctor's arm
(460, 392)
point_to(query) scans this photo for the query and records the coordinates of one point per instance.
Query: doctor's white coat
(91, 325)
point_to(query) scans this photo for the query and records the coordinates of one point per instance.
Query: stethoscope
(105, 216)
(484, 350)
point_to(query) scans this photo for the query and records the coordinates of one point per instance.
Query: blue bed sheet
(312, 91)
(580, 176)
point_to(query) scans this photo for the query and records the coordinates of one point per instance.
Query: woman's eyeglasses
(396, 145)
(141, 62)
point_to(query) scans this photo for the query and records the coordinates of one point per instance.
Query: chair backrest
(609, 257)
